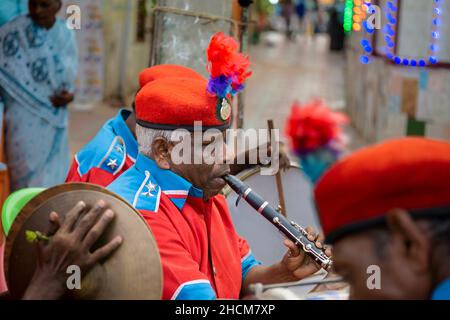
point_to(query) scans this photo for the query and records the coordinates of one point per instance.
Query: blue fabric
(168, 180)
(121, 129)
(10, 9)
(34, 64)
(248, 264)
(142, 184)
(106, 147)
(197, 291)
(442, 292)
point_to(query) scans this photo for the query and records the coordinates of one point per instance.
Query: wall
(122, 48)
(389, 101)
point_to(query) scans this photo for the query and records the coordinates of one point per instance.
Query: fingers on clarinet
(293, 249)
(73, 215)
(328, 250)
(312, 236)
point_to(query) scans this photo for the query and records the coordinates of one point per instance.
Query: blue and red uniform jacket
(202, 255)
(112, 151)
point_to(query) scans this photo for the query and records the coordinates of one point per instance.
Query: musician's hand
(61, 99)
(70, 244)
(299, 264)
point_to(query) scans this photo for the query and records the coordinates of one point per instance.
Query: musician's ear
(408, 240)
(161, 152)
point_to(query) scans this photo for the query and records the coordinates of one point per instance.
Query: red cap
(173, 103)
(408, 173)
(166, 71)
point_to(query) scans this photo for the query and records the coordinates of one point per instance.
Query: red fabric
(187, 239)
(166, 71)
(95, 175)
(177, 102)
(224, 59)
(313, 125)
(408, 173)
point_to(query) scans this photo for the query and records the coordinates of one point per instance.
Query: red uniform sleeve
(96, 176)
(248, 261)
(182, 279)
(74, 175)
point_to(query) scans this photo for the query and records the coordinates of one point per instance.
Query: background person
(386, 210)
(38, 64)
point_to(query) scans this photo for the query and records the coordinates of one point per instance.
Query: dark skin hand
(284, 161)
(61, 99)
(43, 12)
(295, 265)
(70, 244)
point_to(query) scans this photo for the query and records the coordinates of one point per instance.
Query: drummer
(114, 149)
(71, 241)
(202, 255)
(386, 210)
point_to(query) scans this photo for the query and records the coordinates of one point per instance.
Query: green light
(348, 16)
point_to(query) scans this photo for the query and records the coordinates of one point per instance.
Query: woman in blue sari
(38, 62)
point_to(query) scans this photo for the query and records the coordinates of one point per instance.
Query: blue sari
(34, 64)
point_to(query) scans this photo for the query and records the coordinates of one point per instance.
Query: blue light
(389, 36)
(364, 59)
(368, 49)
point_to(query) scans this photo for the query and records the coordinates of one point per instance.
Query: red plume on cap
(228, 67)
(314, 125)
(316, 136)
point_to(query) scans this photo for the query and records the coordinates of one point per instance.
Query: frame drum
(264, 239)
(132, 272)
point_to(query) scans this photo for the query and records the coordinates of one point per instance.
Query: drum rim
(49, 193)
(247, 173)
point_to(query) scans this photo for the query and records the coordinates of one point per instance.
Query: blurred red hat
(408, 173)
(175, 103)
(166, 71)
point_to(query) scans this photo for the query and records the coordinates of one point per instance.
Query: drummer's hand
(299, 264)
(70, 244)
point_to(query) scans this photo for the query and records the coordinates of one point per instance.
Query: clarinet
(290, 229)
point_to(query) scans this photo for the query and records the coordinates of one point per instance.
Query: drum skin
(132, 272)
(264, 239)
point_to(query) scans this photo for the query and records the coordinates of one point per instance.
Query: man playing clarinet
(202, 255)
